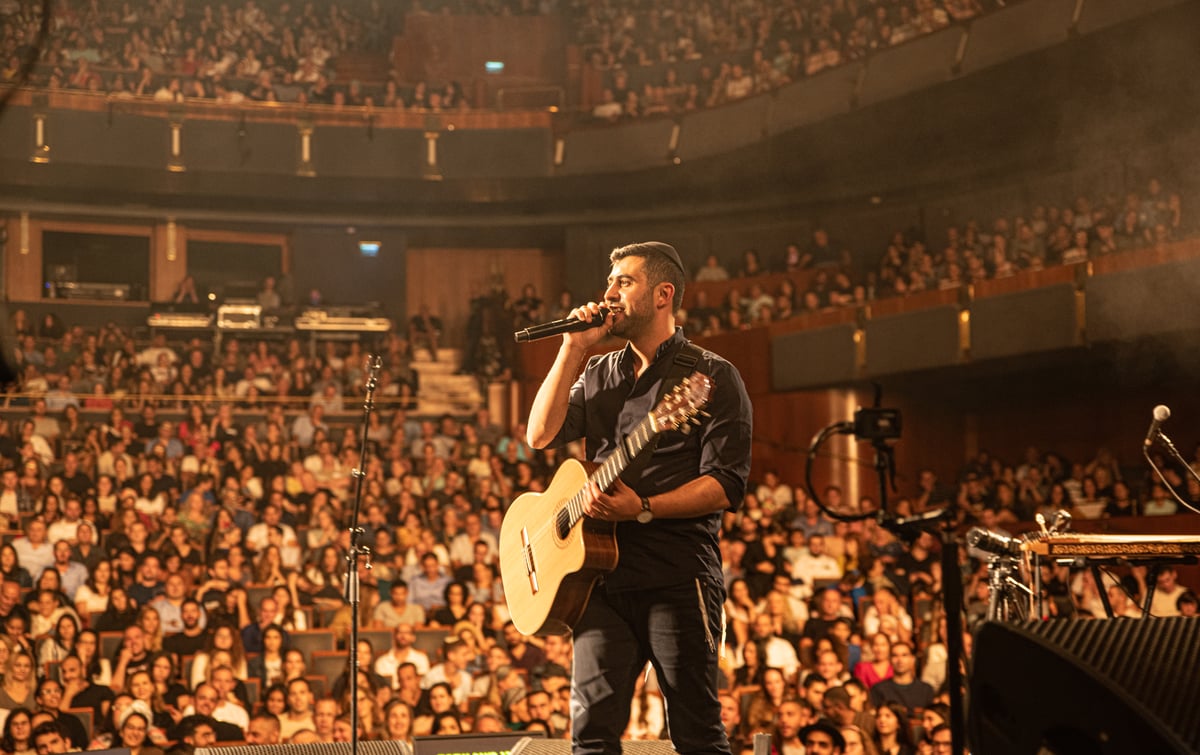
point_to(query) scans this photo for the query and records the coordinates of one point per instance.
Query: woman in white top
(148, 502)
(92, 596)
(884, 605)
(287, 615)
(61, 641)
(106, 494)
(325, 533)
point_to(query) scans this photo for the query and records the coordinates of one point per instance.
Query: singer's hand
(585, 339)
(621, 503)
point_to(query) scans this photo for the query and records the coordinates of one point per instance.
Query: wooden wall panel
(441, 48)
(750, 352)
(447, 279)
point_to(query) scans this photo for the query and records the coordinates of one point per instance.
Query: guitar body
(548, 577)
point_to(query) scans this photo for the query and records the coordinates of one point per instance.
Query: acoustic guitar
(550, 553)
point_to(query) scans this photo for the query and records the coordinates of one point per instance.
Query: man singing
(663, 601)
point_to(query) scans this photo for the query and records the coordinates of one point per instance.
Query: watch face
(645, 516)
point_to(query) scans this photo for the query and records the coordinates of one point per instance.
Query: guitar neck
(616, 463)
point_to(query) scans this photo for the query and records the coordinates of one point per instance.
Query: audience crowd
(171, 573)
(1046, 236)
(669, 58)
(273, 51)
(679, 56)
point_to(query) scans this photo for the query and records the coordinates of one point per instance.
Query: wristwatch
(645, 516)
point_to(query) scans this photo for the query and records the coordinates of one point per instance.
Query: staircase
(442, 391)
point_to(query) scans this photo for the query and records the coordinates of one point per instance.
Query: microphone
(993, 542)
(1161, 415)
(1062, 521)
(901, 525)
(558, 327)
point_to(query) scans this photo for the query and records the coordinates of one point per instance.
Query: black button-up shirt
(607, 403)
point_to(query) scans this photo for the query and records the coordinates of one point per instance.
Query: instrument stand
(1004, 603)
(952, 600)
(1098, 578)
(357, 550)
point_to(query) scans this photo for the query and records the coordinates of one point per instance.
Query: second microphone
(558, 327)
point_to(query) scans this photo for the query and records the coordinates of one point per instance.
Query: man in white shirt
(71, 574)
(398, 610)
(299, 713)
(43, 424)
(170, 604)
(777, 652)
(258, 536)
(1166, 593)
(608, 109)
(305, 425)
(815, 564)
(38, 445)
(462, 547)
(106, 464)
(33, 552)
(207, 701)
(13, 499)
(740, 84)
(402, 652)
(453, 670)
(148, 357)
(67, 528)
(228, 710)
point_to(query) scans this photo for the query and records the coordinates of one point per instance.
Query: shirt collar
(677, 339)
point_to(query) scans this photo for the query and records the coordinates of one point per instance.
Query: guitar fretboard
(607, 473)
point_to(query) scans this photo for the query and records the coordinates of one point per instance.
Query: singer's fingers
(592, 491)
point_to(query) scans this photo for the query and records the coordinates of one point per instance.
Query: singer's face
(630, 297)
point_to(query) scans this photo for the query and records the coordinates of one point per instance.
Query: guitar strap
(684, 363)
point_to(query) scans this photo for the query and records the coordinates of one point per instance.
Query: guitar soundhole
(562, 523)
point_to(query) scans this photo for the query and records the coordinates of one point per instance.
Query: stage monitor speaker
(500, 743)
(1094, 686)
(317, 748)
(530, 746)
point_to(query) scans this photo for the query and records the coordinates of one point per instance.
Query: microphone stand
(952, 593)
(357, 550)
(1178, 457)
(943, 521)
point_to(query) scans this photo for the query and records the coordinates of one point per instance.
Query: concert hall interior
(981, 214)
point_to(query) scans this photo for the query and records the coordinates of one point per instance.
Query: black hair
(662, 265)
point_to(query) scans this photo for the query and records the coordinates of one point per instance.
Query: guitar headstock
(683, 403)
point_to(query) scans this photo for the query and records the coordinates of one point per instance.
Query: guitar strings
(620, 457)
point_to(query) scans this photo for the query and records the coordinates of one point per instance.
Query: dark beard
(631, 326)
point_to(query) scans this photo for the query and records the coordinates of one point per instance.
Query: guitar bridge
(530, 565)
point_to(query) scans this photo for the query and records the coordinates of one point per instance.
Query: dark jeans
(678, 629)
